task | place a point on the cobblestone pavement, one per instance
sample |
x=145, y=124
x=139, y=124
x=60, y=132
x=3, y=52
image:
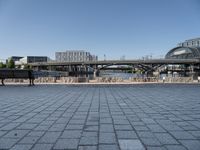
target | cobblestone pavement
x=100, y=117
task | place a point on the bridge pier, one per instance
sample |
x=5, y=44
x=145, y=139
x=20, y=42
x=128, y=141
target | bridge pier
x=149, y=73
x=96, y=73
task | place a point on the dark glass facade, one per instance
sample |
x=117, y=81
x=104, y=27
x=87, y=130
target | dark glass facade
x=33, y=59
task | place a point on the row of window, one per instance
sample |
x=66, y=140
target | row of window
x=190, y=43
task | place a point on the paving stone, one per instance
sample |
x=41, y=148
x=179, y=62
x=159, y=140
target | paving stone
x=145, y=134
x=76, y=121
x=189, y=128
x=35, y=120
x=175, y=147
x=107, y=138
x=156, y=148
x=195, y=123
x=66, y=144
x=123, y=127
x=87, y=148
x=50, y=137
x=172, y=127
x=42, y=147
x=2, y=133
x=22, y=147
x=182, y=135
x=148, y=121
x=16, y=133
x=29, y=140
x=126, y=135
x=106, y=120
x=137, y=123
x=151, y=142
x=141, y=128
x=108, y=147
x=106, y=128
x=91, y=128
x=47, y=123
x=42, y=128
x=10, y=126
x=86, y=140
x=90, y=134
x=156, y=128
x=72, y=134
x=63, y=120
x=7, y=143
x=36, y=133
x=195, y=133
x=131, y=145
x=57, y=127
x=74, y=127
x=27, y=126
x=191, y=144
x=166, y=138
x=121, y=122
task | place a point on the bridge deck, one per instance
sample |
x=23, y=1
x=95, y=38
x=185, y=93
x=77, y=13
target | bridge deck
x=120, y=62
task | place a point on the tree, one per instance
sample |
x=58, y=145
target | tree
x=26, y=66
x=2, y=65
x=11, y=64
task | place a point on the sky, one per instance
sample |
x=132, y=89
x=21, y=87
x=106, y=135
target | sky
x=114, y=28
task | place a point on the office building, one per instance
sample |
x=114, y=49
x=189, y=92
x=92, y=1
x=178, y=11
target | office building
x=74, y=56
x=31, y=59
x=15, y=58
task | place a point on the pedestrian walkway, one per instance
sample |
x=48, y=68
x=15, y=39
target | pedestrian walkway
x=100, y=117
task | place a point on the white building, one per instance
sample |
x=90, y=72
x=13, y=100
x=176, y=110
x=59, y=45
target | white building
x=32, y=59
x=74, y=56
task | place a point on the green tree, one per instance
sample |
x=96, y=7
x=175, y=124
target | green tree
x=11, y=64
x=2, y=65
x=26, y=66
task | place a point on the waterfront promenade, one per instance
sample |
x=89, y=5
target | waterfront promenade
x=100, y=117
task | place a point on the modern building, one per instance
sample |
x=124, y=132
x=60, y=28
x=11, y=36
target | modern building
x=74, y=56
x=183, y=53
x=15, y=58
x=190, y=43
x=31, y=59
x=185, y=50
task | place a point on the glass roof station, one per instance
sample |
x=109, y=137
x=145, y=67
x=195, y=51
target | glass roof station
x=189, y=49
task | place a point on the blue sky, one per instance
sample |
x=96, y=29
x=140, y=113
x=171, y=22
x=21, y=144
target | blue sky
x=133, y=28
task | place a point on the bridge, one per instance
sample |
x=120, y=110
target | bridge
x=119, y=62
x=148, y=66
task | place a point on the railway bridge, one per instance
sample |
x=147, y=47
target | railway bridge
x=148, y=66
x=185, y=60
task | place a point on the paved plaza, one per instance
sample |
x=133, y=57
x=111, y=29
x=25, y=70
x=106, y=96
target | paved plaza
x=100, y=117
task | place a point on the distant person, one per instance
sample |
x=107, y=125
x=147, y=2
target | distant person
x=163, y=79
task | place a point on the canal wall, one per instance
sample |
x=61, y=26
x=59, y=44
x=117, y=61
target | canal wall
x=105, y=80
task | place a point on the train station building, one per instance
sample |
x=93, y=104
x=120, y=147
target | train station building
x=186, y=50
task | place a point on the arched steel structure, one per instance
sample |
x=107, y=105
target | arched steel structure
x=183, y=53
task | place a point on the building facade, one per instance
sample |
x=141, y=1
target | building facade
x=15, y=58
x=186, y=50
x=183, y=53
x=74, y=56
x=190, y=43
x=31, y=59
